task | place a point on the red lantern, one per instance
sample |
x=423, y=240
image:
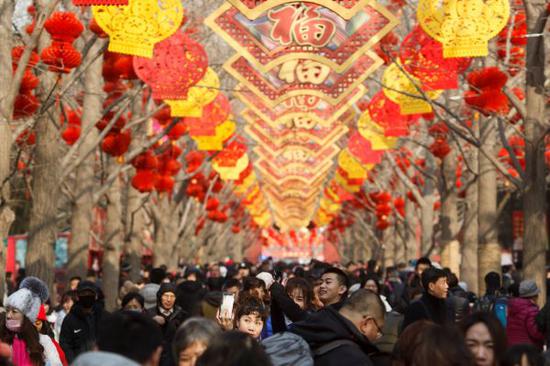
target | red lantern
x=145, y=161
x=422, y=56
x=165, y=183
x=177, y=131
x=387, y=115
x=100, y=2
x=60, y=57
x=71, y=134
x=212, y=204
x=63, y=26
x=117, y=143
x=25, y=105
x=178, y=63
x=144, y=180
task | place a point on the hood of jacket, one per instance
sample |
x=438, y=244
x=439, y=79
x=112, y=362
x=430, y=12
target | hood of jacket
x=99, y=358
x=328, y=325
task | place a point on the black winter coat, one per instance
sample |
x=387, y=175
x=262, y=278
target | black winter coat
x=430, y=308
x=79, y=330
x=169, y=329
x=327, y=325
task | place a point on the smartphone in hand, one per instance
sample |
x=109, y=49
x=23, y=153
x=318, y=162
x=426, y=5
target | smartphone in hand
x=226, y=309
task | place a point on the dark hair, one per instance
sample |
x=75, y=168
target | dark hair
x=130, y=334
x=234, y=349
x=515, y=353
x=496, y=330
x=133, y=296
x=249, y=304
x=492, y=282
x=431, y=275
x=194, y=330
x=157, y=275
x=29, y=334
x=423, y=260
x=231, y=282
x=426, y=343
x=453, y=280
x=69, y=295
x=342, y=277
x=251, y=283
x=78, y=278
x=303, y=285
x=374, y=278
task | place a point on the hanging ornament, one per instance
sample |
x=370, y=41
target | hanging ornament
x=178, y=63
x=351, y=166
x=215, y=143
x=387, y=115
x=402, y=88
x=213, y=115
x=61, y=57
x=100, y=2
x=374, y=133
x=198, y=96
x=422, y=57
x=231, y=161
x=464, y=27
x=136, y=28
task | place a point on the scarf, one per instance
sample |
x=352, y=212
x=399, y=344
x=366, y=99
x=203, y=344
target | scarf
x=20, y=356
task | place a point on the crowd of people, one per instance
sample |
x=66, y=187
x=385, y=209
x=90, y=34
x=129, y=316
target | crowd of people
x=280, y=314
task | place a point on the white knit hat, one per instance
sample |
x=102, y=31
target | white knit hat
x=31, y=294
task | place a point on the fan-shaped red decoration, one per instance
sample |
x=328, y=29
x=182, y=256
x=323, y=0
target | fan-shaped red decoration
x=387, y=114
x=63, y=26
x=60, y=57
x=71, y=134
x=422, y=56
x=182, y=63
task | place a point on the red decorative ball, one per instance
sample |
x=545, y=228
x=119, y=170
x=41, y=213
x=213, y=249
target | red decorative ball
x=144, y=180
x=71, y=134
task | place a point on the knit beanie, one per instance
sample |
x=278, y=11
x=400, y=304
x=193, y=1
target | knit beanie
x=164, y=288
x=31, y=294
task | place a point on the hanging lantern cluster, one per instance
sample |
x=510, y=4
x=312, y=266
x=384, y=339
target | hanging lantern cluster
x=440, y=147
x=71, y=134
x=26, y=103
x=485, y=93
x=64, y=28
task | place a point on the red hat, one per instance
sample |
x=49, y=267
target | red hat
x=42, y=313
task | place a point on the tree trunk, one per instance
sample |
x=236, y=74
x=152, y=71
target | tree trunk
x=489, y=248
x=6, y=214
x=112, y=244
x=469, y=268
x=448, y=219
x=134, y=223
x=535, y=238
x=40, y=258
x=166, y=234
x=411, y=224
x=81, y=219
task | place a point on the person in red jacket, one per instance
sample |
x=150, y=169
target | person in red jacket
x=521, y=326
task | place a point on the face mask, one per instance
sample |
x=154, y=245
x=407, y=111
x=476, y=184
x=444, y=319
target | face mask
x=86, y=301
x=13, y=324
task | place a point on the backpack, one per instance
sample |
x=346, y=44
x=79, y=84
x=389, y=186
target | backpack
x=289, y=349
x=493, y=304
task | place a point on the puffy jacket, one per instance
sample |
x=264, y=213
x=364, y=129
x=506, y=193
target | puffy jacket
x=521, y=326
x=79, y=331
x=328, y=325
